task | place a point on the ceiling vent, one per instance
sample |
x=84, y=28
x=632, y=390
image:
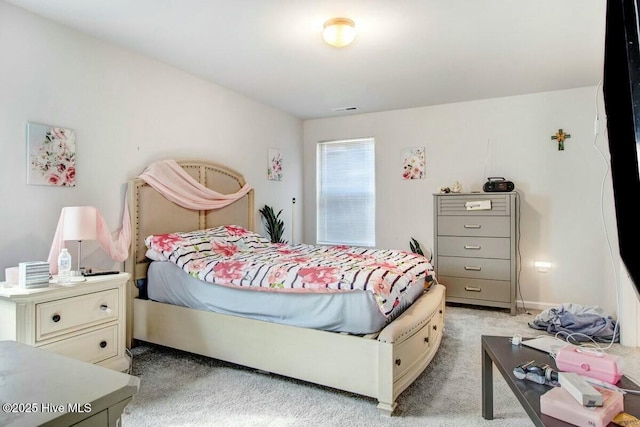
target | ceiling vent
x=344, y=109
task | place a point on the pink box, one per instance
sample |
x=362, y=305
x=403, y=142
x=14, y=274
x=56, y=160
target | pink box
x=558, y=403
x=587, y=362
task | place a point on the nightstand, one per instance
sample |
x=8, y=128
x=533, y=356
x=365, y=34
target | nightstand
x=85, y=320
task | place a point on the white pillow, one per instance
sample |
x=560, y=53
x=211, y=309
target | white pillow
x=155, y=256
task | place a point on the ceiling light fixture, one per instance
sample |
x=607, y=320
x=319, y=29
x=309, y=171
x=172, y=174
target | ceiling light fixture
x=339, y=32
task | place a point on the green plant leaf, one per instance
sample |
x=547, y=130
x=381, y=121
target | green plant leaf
x=273, y=223
x=415, y=247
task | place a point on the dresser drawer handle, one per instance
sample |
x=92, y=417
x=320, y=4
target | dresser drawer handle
x=426, y=340
x=472, y=247
x=472, y=226
x=103, y=344
x=398, y=362
x=56, y=318
x=472, y=268
x=472, y=289
x=105, y=308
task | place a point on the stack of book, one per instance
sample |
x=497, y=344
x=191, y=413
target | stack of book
x=33, y=274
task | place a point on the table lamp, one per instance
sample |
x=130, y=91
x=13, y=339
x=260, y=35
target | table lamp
x=79, y=225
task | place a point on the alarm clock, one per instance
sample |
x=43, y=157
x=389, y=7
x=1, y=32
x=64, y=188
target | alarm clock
x=498, y=184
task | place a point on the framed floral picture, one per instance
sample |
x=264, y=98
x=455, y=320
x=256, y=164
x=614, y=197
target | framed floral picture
x=274, y=165
x=413, y=163
x=51, y=155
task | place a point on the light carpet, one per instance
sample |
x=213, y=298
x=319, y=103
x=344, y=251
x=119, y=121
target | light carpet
x=183, y=389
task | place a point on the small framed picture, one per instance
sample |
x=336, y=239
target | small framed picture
x=51, y=155
x=413, y=163
x=274, y=165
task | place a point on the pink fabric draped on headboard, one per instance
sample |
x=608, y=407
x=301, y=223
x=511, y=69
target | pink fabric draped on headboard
x=169, y=179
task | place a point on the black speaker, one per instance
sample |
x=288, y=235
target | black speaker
x=498, y=184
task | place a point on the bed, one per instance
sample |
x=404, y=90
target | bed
x=379, y=358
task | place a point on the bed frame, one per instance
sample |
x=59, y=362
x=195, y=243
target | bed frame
x=378, y=365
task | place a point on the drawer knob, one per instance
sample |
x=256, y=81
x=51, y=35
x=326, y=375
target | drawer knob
x=472, y=268
x=472, y=289
x=103, y=344
x=472, y=226
x=55, y=318
x=426, y=339
x=105, y=308
x=398, y=362
x=472, y=247
x=435, y=327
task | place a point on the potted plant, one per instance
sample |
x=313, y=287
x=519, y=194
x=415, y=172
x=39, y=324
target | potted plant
x=273, y=223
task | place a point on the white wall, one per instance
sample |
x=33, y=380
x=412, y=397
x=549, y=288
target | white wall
x=127, y=111
x=560, y=191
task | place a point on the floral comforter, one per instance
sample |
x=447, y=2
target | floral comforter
x=234, y=256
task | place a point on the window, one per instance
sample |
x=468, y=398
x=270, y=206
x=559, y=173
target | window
x=346, y=190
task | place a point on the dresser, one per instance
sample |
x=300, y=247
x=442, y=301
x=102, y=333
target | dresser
x=84, y=320
x=41, y=388
x=475, y=247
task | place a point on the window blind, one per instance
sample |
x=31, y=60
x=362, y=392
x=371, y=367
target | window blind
x=346, y=193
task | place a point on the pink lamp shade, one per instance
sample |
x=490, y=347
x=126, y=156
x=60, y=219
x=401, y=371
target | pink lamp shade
x=79, y=223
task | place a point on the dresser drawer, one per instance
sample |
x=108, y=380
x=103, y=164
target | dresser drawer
x=474, y=268
x=456, y=204
x=474, y=247
x=477, y=289
x=101, y=419
x=477, y=226
x=61, y=316
x=92, y=347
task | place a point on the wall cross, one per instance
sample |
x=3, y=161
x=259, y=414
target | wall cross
x=560, y=136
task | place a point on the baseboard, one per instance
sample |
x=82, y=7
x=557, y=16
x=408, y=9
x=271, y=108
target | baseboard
x=533, y=305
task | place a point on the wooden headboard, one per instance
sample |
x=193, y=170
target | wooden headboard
x=152, y=213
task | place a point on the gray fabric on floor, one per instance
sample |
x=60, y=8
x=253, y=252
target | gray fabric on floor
x=578, y=323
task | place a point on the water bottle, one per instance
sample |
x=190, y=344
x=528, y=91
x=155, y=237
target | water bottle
x=64, y=266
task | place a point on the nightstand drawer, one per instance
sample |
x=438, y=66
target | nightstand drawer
x=474, y=247
x=474, y=268
x=92, y=347
x=65, y=315
x=477, y=289
x=479, y=226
